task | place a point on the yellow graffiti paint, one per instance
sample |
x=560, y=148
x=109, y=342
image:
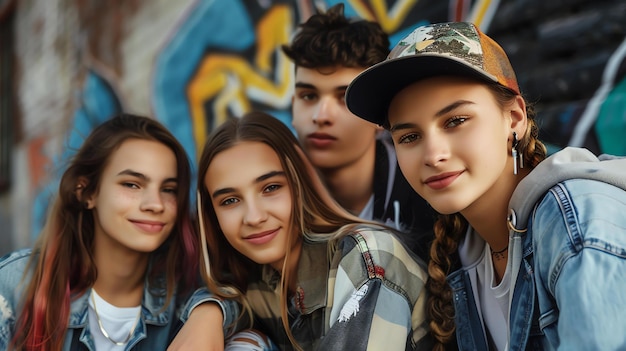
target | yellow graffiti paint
x=232, y=81
x=389, y=19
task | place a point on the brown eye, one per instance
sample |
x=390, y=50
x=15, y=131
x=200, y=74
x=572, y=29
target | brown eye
x=408, y=138
x=170, y=190
x=306, y=96
x=342, y=98
x=228, y=201
x=271, y=188
x=455, y=122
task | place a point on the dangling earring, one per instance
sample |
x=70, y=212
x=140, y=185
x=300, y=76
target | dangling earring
x=514, y=153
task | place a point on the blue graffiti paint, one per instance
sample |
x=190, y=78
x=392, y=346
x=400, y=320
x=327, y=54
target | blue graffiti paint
x=221, y=24
x=98, y=102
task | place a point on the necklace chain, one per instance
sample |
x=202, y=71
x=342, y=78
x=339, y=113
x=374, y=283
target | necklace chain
x=499, y=255
x=104, y=332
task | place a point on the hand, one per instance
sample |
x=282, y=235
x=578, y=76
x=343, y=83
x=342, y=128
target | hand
x=203, y=330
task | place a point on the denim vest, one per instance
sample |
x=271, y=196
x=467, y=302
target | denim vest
x=568, y=290
x=154, y=331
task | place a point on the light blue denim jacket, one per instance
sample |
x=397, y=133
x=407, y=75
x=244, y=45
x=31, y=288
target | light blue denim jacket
x=568, y=268
x=155, y=331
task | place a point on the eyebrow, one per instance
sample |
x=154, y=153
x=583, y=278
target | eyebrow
x=305, y=85
x=259, y=179
x=439, y=113
x=302, y=85
x=130, y=172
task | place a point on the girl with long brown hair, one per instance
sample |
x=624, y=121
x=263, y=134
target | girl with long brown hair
x=311, y=275
x=117, y=258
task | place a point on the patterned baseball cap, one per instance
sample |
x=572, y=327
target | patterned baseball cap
x=452, y=49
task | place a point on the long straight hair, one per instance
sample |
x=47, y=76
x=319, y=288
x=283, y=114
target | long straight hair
x=314, y=213
x=62, y=266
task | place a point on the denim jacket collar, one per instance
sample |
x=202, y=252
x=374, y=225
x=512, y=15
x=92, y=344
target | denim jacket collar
x=152, y=311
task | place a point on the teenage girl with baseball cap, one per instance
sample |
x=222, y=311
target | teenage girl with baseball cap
x=529, y=251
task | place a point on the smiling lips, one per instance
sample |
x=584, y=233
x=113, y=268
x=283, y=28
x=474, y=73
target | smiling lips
x=149, y=226
x=262, y=238
x=442, y=180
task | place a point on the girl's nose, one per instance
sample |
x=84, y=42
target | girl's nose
x=435, y=150
x=152, y=201
x=255, y=214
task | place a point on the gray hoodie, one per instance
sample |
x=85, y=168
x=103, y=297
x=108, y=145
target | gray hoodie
x=569, y=163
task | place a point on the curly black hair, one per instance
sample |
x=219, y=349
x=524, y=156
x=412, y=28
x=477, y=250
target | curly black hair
x=330, y=39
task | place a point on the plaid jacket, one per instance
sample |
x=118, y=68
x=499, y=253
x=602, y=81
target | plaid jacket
x=368, y=294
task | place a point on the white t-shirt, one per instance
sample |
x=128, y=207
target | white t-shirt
x=492, y=298
x=118, y=322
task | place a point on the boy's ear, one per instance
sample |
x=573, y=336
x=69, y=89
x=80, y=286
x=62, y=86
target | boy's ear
x=519, y=119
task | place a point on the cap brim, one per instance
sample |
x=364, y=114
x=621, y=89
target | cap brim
x=370, y=93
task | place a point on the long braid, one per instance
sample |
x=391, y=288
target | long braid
x=448, y=229
x=532, y=148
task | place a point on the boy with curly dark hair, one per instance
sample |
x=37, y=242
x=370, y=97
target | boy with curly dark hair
x=355, y=158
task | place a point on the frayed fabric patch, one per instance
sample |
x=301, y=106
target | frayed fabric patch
x=351, y=308
x=5, y=311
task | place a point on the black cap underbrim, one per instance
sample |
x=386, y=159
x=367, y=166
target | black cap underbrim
x=368, y=96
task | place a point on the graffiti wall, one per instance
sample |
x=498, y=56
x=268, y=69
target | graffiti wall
x=225, y=60
x=222, y=58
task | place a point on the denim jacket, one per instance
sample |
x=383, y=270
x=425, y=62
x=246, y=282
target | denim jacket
x=568, y=267
x=154, y=332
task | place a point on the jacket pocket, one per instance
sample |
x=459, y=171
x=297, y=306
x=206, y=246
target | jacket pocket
x=548, y=323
